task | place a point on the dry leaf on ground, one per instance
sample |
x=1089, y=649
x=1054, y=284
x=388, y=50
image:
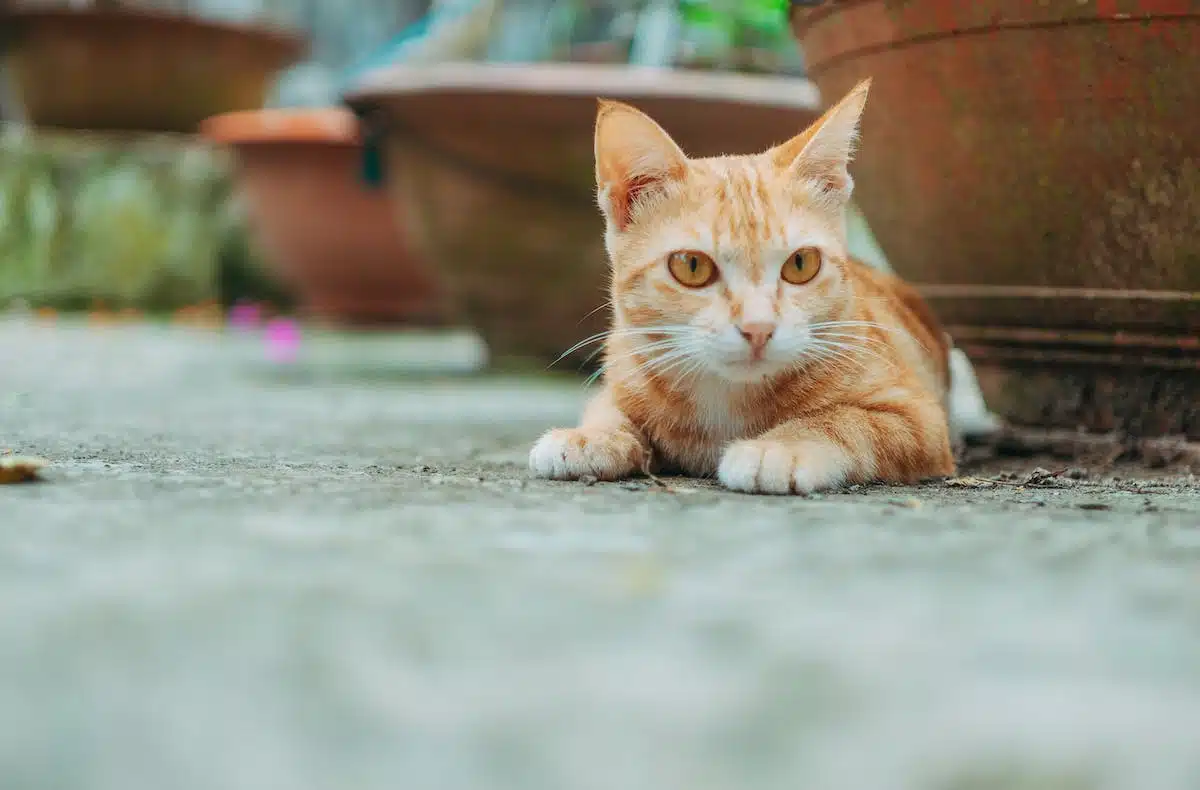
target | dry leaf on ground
x=969, y=482
x=18, y=469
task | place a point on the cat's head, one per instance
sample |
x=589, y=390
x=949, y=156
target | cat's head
x=727, y=265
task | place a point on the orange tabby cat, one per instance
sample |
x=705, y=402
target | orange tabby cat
x=745, y=342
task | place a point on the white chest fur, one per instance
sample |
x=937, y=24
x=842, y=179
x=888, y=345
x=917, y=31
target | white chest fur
x=718, y=412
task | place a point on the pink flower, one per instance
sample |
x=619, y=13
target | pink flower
x=245, y=315
x=283, y=340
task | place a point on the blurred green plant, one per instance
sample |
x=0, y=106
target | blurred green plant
x=723, y=32
x=148, y=225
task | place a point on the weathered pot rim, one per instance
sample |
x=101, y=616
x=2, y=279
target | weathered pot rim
x=24, y=16
x=803, y=17
x=583, y=79
x=332, y=125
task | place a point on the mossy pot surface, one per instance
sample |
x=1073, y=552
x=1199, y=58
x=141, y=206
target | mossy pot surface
x=492, y=166
x=87, y=219
x=1035, y=169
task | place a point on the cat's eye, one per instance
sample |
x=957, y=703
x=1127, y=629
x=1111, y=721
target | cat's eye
x=691, y=268
x=801, y=266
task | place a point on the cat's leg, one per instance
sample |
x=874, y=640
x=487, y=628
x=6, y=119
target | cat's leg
x=606, y=445
x=900, y=440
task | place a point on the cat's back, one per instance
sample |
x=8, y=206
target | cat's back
x=888, y=300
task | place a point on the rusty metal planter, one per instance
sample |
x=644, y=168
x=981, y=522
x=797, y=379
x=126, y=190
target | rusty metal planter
x=493, y=166
x=1035, y=169
x=125, y=69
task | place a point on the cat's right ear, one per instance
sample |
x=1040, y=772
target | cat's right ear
x=635, y=159
x=822, y=153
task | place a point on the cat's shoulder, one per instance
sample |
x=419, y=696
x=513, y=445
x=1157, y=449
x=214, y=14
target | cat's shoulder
x=881, y=284
x=905, y=303
x=877, y=279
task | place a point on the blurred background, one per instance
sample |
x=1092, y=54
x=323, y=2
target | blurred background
x=113, y=202
x=394, y=164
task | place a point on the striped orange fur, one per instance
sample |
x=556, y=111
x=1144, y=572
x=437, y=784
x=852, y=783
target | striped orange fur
x=746, y=343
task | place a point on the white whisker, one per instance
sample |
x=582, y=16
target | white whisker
x=897, y=331
x=846, y=336
x=697, y=365
x=853, y=325
x=590, y=380
x=590, y=313
x=826, y=354
x=851, y=348
x=616, y=333
x=599, y=336
x=682, y=359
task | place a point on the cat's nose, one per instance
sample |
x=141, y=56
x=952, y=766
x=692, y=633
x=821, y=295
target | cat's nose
x=757, y=334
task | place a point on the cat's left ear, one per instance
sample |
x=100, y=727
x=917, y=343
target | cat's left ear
x=635, y=159
x=823, y=151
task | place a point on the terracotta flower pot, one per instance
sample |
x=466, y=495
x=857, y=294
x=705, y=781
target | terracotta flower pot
x=1035, y=169
x=492, y=165
x=333, y=240
x=127, y=69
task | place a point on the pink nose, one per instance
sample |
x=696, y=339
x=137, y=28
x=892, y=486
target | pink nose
x=757, y=334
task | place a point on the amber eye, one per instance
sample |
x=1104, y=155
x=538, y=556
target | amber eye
x=801, y=266
x=693, y=269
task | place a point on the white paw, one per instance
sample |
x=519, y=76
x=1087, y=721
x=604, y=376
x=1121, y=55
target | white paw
x=771, y=467
x=569, y=454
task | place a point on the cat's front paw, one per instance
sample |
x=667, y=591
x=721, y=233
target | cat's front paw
x=569, y=454
x=764, y=466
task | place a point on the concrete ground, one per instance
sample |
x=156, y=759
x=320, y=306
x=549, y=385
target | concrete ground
x=335, y=574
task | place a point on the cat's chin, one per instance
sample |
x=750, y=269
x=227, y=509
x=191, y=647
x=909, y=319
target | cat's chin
x=747, y=371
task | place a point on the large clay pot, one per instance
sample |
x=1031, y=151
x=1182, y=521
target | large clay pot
x=492, y=165
x=1035, y=169
x=126, y=69
x=332, y=239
